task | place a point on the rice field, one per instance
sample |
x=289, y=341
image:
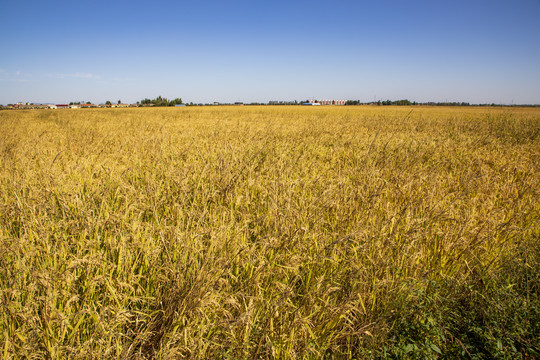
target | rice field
x=281, y=232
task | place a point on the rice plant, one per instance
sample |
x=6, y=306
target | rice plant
x=270, y=232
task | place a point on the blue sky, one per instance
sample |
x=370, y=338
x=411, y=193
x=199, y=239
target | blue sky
x=205, y=51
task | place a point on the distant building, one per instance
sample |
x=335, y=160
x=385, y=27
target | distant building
x=325, y=102
x=331, y=102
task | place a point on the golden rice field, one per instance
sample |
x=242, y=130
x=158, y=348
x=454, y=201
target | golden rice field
x=270, y=232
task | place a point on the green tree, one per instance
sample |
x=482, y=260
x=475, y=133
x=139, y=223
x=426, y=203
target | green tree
x=161, y=101
x=402, y=102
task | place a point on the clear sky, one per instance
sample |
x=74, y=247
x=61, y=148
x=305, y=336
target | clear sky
x=205, y=51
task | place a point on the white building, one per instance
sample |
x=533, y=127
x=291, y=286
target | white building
x=332, y=102
x=325, y=102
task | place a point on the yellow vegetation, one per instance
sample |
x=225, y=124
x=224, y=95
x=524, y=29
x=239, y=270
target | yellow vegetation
x=270, y=232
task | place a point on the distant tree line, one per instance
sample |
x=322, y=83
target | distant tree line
x=385, y=102
x=447, y=103
x=406, y=102
x=79, y=103
x=283, y=102
x=160, y=101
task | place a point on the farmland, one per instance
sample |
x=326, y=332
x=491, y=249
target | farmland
x=270, y=232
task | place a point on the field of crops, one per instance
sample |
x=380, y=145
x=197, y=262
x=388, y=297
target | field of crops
x=270, y=232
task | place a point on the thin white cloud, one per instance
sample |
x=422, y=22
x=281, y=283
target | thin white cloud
x=17, y=76
x=115, y=80
x=86, y=76
x=122, y=79
x=79, y=75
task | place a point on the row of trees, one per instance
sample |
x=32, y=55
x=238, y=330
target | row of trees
x=359, y=102
x=397, y=102
x=160, y=101
x=407, y=102
x=283, y=102
x=79, y=103
x=385, y=102
x=89, y=103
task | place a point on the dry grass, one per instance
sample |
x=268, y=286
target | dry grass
x=270, y=232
